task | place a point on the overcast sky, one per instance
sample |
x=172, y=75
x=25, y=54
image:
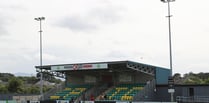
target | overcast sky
x=77, y=31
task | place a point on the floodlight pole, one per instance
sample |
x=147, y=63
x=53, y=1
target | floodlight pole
x=169, y=28
x=41, y=79
x=170, y=46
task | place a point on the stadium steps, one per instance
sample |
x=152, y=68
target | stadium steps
x=57, y=88
x=104, y=92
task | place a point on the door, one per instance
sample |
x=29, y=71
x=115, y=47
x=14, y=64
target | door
x=191, y=91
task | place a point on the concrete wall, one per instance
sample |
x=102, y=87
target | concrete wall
x=26, y=98
x=136, y=77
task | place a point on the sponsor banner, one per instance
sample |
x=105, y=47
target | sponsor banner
x=1, y=101
x=62, y=101
x=153, y=102
x=79, y=67
x=34, y=101
x=57, y=68
x=87, y=101
x=8, y=101
x=122, y=102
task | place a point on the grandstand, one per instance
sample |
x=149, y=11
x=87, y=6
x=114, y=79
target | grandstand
x=114, y=81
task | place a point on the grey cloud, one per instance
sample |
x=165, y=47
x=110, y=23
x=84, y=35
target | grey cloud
x=5, y=20
x=3, y=31
x=7, y=17
x=92, y=20
x=106, y=15
x=17, y=8
x=77, y=23
x=3, y=23
x=121, y=54
x=117, y=54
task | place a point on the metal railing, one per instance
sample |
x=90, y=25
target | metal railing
x=147, y=93
x=192, y=99
x=57, y=88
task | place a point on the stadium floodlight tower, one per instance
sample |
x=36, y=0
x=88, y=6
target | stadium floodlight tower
x=170, y=79
x=41, y=79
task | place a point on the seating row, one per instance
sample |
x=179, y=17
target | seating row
x=70, y=92
x=124, y=91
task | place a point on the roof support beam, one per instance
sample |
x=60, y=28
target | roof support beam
x=141, y=68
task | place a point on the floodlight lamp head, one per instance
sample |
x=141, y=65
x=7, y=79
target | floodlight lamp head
x=165, y=1
x=40, y=18
x=36, y=19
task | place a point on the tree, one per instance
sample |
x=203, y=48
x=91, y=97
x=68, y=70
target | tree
x=194, y=80
x=207, y=81
x=5, y=76
x=3, y=89
x=32, y=90
x=14, y=85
